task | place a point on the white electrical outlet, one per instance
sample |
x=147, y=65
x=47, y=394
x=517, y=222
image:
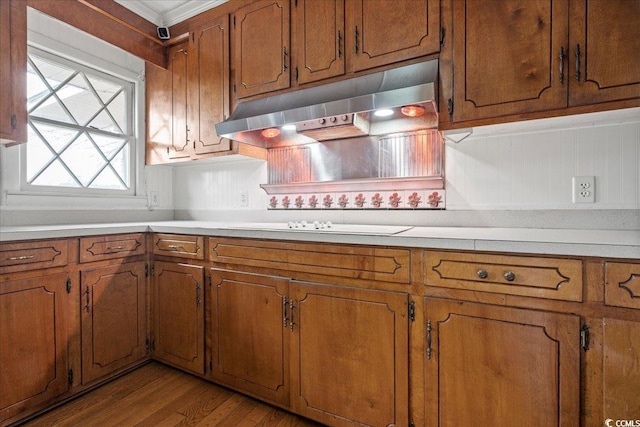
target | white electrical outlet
x=154, y=198
x=584, y=189
x=244, y=198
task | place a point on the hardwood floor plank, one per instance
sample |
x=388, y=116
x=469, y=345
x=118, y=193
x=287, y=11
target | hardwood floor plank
x=155, y=395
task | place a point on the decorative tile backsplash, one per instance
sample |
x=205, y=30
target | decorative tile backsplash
x=405, y=199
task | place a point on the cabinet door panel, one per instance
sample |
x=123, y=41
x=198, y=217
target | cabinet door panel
x=179, y=315
x=250, y=333
x=33, y=333
x=620, y=374
x=349, y=355
x=608, y=33
x=506, y=57
x=261, y=42
x=113, y=318
x=492, y=365
x=13, y=73
x=318, y=28
x=382, y=32
x=210, y=86
x=178, y=65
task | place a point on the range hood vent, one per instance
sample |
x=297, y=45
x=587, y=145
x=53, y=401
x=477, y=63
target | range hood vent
x=339, y=110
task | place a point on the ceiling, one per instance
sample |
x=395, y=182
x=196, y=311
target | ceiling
x=166, y=13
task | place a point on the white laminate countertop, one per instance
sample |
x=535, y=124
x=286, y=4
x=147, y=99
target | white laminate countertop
x=598, y=243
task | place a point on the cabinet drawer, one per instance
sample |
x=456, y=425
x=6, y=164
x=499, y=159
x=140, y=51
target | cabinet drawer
x=109, y=247
x=514, y=275
x=298, y=259
x=622, y=284
x=178, y=246
x=33, y=255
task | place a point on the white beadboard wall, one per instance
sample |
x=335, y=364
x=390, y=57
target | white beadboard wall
x=523, y=166
x=534, y=170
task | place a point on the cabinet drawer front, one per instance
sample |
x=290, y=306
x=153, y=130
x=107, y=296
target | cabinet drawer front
x=367, y=263
x=33, y=255
x=109, y=247
x=179, y=246
x=514, y=275
x=622, y=284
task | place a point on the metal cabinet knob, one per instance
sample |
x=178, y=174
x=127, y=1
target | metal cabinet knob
x=483, y=274
x=509, y=276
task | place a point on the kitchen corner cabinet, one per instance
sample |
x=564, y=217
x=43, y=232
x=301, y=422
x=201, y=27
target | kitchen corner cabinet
x=349, y=361
x=502, y=366
x=261, y=51
x=518, y=56
x=178, y=315
x=113, y=319
x=185, y=101
x=318, y=34
x=381, y=32
x=33, y=333
x=13, y=72
x=251, y=333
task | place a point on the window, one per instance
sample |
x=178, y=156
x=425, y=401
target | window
x=81, y=133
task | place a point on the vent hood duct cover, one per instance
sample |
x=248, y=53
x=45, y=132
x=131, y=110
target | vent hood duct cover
x=409, y=85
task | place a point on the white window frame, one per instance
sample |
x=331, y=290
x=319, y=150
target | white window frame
x=130, y=132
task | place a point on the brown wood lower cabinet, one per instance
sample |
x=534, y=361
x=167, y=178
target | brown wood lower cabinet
x=33, y=342
x=251, y=333
x=114, y=328
x=339, y=354
x=500, y=366
x=178, y=314
x=349, y=360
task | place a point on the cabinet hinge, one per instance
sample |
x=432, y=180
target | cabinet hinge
x=450, y=106
x=14, y=121
x=147, y=345
x=210, y=365
x=429, y=350
x=153, y=270
x=146, y=270
x=70, y=376
x=412, y=311
x=584, y=337
x=68, y=285
x=442, y=33
x=234, y=88
x=234, y=22
x=210, y=281
x=296, y=3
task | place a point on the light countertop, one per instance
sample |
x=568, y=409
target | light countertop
x=598, y=243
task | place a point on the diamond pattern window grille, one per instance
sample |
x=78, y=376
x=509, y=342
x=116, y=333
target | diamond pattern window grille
x=80, y=126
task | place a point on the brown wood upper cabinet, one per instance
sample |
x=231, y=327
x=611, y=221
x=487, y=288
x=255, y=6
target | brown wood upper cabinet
x=381, y=32
x=186, y=100
x=261, y=58
x=13, y=72
x=317, y=29
x=518, y=56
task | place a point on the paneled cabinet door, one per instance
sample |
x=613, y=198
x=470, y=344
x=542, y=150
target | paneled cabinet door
x=349, y=361
x=33, y=336
x=506, y=57
x=166, y=104
x=500, y=366
x=251, y=333
x=605, y=43
x=13, y=72
x=318, y=31
x=114, y=332
x=261, y=54
x=381, y=32
x=178, y=315
x=209, y=86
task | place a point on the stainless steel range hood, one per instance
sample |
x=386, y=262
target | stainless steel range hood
x=319, y=112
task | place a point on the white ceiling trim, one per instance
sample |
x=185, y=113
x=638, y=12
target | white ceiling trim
x=155, y=10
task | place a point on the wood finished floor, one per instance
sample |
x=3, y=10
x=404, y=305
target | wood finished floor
x=159, y=396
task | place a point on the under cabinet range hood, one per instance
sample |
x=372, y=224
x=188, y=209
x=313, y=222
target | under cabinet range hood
x=340, y=110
